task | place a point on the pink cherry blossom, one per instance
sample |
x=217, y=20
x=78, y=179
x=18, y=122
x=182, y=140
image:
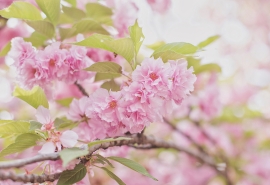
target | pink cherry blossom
x=77, y=111
x=182, y=80
x=160, y=6
x=68, y=138
x=44, y=117
x=21, y=50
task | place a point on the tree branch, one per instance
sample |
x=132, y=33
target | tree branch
x=138, y=141
x=80, y=87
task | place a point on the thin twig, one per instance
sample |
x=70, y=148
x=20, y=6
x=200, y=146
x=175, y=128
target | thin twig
x=80, y=87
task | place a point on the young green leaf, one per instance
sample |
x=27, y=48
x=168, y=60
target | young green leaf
x=13, y=128
x=35, y=97
x=104, y=76
x=105, y=67
x=104, y=159
x=68, y=154
x=63, y=123
x=5, y=49
x=44, y=27
x=37, y=39
x=111, y=86
x=51, y=8
x=156, y=45
x=136, y=35
x=123, y=47
x=132, y=165
x=96, y=41
x=74, y=13
x=69, y=177
x=96, y=10
x=106, y=141
x=89, y=26
x=73, y=3
x=99, y=13
x=65, y=101
x=21, y=143
x=173, y=51
x=67, y=33
x=207, y=68
x=35, y=125
x=21, y=10
x=113, y=176
x=208, y=41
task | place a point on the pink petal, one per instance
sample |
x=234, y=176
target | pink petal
x=47, y=148
x=43, y=115
x=69, y=138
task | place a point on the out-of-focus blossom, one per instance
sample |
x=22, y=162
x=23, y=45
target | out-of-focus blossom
x=160, y=6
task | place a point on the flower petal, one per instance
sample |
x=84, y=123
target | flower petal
x=69, y=138
x=43, y=115
x=47, y=148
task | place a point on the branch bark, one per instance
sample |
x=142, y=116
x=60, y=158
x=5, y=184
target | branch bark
x=138, y=141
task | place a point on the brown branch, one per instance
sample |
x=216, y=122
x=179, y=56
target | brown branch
x=190, y=139
x=80, y=87
x=138, y=141
x=29, y=178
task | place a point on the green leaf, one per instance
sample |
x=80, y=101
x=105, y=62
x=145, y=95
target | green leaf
x=65, y=101
x=68, y=154
x=51, y=8
x=63, y=123
x=67, y=33
x=96, y=41
x=132, y=165
x=123, y=47
x=37, y=39
x=74, y=13
x=156, y=45
x=5, y=49
x=173, y=51
x=13, y=128
x=208, y=67
x=99, y=13
x=96, y=10
x=69, y=177
x=21, y=10
x=113, y=176
x=43, y=27
x=21, y=143
x=65, y=19
x=110, y=86
x=106, y=141
x=208, y=41
x=35, y=125
x=89, y=26
x=105, y=67
x=104, y=76
x=72, y=2
x=35, y=97
x=136, y=35
x=104, y=159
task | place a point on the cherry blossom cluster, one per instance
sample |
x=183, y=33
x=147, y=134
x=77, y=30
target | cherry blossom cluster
x=153, y=89
x=42, y=67
x=55, y=140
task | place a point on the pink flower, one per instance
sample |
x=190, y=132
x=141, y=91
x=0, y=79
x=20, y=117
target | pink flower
x=160, y=6
x=21, y=50
x=77, y=110
x=44, y=117
x=182, y=80
x=58, y=140
x=154, y=75
x=53, y=58
x=125, y=15
x=76, y=60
